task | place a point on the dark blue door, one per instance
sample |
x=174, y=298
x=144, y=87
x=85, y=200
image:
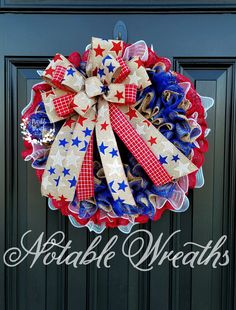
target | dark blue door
x=201, y=43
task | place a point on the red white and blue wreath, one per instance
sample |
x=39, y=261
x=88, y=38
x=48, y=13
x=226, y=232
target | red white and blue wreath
x=116, y=137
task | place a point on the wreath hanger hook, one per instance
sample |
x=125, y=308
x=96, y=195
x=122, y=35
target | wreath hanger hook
x=120, y=31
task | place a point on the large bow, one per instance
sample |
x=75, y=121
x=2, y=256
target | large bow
x=103, y=101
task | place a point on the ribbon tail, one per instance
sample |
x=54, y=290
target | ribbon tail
x=172, y=159
x=77, y=149
x=110, y=157
x=57, y=155
x=138, y=147
x=85, y=185
x=66, y=157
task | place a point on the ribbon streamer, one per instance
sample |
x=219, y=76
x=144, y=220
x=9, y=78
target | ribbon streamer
x=103, y=101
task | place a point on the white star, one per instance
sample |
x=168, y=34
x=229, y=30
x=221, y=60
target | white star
x=102, y=111
x=78, y=81
x=57, y=158
x=89, y=67
x=40, y=72
x=134, y=78
x=71, y=159
x=115, y=168
x=49, y=104
x=51, y=107
x=46, y=182
x=83, y=102
x=48, y=97
x=52, y=63
x=81, y=96
x=140, y=129
x=166, y=146
x=112, y=142
x=182, y=168
x=92, y=89
x=62, y=184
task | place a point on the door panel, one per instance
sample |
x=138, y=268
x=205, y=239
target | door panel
x=202, y=47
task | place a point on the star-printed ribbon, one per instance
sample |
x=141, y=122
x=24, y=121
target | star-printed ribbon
x=103, y=101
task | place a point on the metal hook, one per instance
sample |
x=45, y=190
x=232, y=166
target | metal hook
x=120, y=31
x=119, y=36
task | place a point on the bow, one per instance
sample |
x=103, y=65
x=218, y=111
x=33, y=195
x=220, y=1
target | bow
x=101, y=103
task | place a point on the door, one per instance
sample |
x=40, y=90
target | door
x=200, y=41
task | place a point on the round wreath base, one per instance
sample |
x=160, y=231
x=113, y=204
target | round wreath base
x=198, y=106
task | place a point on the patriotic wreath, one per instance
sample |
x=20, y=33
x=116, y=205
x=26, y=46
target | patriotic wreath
x=116, y=137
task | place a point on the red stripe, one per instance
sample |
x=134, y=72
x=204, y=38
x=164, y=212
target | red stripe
x=62, y=105
x=130, y=93
x=58, y=76
x=125, y=70
x=85, y=184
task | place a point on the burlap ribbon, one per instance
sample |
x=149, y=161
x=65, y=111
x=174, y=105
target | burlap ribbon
x=103, y=101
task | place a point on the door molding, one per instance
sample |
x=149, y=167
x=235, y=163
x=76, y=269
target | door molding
x=118, y=6
x=223, y=71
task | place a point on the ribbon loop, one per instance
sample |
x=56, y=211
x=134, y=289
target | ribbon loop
x=99, y=49
x=63, y=105
x=121, y=93
x=58, y=76
x=62, y=74
x=124, y=72
x=138, y=74
x=138, y=49
x=110, y=69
